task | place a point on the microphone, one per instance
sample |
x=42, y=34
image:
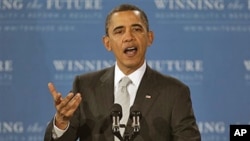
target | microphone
x=116, y=115
x=135, y=116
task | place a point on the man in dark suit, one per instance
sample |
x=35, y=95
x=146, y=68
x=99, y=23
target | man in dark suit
x=164, y=102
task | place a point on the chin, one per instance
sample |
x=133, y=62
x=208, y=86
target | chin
x=133, y=65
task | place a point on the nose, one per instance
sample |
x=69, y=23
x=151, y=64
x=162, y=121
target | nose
x=128, y=36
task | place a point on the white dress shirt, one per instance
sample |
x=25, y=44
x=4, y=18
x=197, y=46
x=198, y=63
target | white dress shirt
x=135, y=77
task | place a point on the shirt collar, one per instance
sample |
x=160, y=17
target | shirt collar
x=135, y=77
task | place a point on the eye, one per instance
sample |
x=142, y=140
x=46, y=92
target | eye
x=118, y=31
x=137, y=29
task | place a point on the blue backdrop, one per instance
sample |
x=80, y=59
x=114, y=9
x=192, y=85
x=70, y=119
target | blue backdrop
x=205, y=43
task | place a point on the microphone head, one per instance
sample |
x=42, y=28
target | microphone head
x=116, y=110
x=134, y=111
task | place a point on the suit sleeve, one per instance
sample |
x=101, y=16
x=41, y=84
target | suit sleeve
x=69, y=135
x=48, y=132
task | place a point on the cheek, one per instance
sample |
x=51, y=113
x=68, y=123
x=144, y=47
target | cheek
x=114, y=45
x=116, y=50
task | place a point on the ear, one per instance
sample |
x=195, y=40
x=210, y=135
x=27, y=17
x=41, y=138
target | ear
x=150, y=38
x=105, y=41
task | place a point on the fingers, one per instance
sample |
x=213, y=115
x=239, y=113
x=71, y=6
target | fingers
x=65, y=112
x=57, y=97
x=69, y=105
x=69, y=101
x=63, y=102
x=65, y=107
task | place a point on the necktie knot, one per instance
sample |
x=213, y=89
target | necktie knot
x=124, y=82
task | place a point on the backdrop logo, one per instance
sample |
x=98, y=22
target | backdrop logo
x=246, y=64
x=14, y=4
x=81, y=65
x=219, y=15
x=74, y=4
x=67, y=69
x=6, y=68
x=177, y=65
x=213, y=130
x=51, y=4
x=18, y=131
x=53, y=15
x=218, y=127
x=190, y=71
x=190, y=4
x=11, y=127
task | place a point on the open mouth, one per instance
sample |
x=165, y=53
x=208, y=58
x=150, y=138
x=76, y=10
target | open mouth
x=130, y=50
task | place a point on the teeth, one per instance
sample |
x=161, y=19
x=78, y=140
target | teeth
x=130, y=48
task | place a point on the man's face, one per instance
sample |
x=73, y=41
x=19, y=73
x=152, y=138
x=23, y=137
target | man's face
x=128, y=39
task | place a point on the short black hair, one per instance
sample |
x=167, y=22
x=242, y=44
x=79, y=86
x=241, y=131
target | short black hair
x=126, y=7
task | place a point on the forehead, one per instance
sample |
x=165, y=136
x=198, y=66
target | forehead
x=126, y=17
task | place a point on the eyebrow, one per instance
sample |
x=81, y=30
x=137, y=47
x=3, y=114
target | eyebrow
x=133, y=25
x=118, y=27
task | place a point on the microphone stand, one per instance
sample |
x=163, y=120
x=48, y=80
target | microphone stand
x=116, y=132
x=128, y=135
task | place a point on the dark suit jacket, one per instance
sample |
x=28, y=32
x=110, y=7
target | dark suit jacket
x=164, y=102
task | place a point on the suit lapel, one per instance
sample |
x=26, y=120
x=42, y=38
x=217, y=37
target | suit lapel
x=105, y=90
x=105, y=97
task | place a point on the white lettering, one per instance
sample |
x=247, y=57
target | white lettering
x=247, y=64
x=237, y=132
x=240, y=132
x=248, y=4
x=212, y=127
x=11, y=4
x=160, y=4
x=81, y=65
x=35, y=128
x=160, y=65
x=55, y=3
x=74, y=4
x=177, y=65
x=190, y=4
x=235, y=5
x=11, y=127
x=6, y=66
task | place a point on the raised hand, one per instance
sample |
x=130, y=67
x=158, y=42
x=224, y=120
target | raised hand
x=65, y=107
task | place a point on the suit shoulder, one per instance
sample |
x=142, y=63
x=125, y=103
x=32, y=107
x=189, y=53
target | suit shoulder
x=93, y=76
x=94, y=73
x=167, y=79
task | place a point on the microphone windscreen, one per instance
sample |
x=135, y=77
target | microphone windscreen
x=116, y=109
x=134, y=111
x=134, y=108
